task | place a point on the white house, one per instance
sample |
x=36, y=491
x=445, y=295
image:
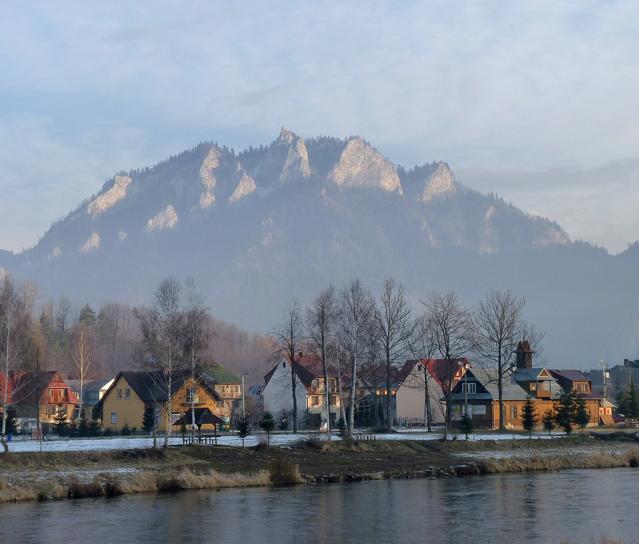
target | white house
x=309, y=388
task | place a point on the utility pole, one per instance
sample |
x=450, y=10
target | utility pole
x=243, y=401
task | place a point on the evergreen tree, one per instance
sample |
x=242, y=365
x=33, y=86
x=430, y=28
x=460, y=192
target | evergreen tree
x=565, y=410
x=94, y=428
x=243, y=429
x=148, y=418
x=582, y=416
x=283, y=423
x=268, y=424
x=60, y=423
x=466, y=425
x=126, y=431
x=83, y=426
x=87, y=316
x=529, y=417
x=548, y=421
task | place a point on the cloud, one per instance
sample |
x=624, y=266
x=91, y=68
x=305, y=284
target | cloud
x=480, y=84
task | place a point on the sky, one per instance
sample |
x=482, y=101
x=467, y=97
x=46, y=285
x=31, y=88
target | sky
x=88, y=89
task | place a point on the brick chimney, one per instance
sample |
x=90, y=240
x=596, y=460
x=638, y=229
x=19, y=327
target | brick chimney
x=524, y=355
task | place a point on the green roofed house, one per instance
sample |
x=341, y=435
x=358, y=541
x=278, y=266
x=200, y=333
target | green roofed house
x=227, y=385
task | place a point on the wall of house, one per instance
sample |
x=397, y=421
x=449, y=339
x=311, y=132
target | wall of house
x=410, y=400
x=182, y=404
x=514, y=420
x=277, y=393
x=128, y=411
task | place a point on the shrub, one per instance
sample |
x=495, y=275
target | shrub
x=125, y=430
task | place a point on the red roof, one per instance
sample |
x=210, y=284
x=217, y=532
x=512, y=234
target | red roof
x=445, y=371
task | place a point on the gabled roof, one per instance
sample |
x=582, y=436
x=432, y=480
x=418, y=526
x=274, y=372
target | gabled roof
x=489, y=378
x=203, y=416
x=219, y=374
x=149, y=385
x=28, y=386
x=569, y=375
x=442, y=370
x=307, y=368
x=532, y=374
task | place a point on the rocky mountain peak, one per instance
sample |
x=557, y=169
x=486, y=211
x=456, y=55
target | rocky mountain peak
x=361, y=165
x=440, y=183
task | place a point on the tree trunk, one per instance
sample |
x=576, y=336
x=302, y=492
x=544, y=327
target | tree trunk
x=428, y=410
x=500, y=393
x=169, y=410
x=327, y=397
x=294, y=390
x=342, y=412
x=351, y=405
x=389, y=397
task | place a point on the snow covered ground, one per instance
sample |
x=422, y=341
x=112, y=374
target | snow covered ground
x=124, y=443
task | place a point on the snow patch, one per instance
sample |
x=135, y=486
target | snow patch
x=245, y=187
x=110, y=197
x=210, y=163
x=91, y=244
x=166, y=219
x=122, y=235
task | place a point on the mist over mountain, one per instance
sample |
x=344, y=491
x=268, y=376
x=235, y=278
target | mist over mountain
x=257, y=228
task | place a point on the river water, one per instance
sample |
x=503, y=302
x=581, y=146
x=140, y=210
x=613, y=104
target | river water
x=574, y=506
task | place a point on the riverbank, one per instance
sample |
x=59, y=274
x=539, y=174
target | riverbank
x=57, y=475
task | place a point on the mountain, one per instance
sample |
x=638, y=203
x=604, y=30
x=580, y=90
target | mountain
x=259, y=227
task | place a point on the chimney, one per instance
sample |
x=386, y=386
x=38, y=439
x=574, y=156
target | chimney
x=524, y=355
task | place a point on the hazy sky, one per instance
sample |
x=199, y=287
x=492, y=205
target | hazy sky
x=90, y=88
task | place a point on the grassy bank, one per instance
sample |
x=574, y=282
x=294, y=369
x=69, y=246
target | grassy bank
x=44, y=476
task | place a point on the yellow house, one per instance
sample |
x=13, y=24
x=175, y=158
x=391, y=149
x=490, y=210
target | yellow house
x=132, y=392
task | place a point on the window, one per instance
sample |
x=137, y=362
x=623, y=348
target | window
x=513, y=412
x=315, y=401
x=420, y=368
x=114, y=418
x=284, y=364
x=545, y=386
x=127, y=393
x=469, y=387
x=191, y=395
x=119, y=394
x=220, y=403
x=51, y=398
x=533, y=386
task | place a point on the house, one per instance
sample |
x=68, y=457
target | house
x=478, y=390
x=92, y=392
x=309, y=388
x=228, y=387
x=133, y=392
x=415, y=379
x=39, y=395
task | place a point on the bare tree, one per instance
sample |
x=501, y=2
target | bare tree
x=288, y=341
x=163, y=331
x=535, y=338
x=82, y=357
x=320, y=327
x=423, y=348
x=63, y=313
x=452, y=329
x=196, y=339
x=394, y=328
x=496, y=324
x=17, y=346
x=356, y=308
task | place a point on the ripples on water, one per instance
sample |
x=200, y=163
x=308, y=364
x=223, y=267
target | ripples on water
x=578, y=506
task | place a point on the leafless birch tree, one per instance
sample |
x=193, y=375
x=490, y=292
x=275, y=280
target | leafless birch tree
x=320, y=329
x=423, y=348
x=82, y=357
x=164, y=331
x=356, y=308
x=394, y=328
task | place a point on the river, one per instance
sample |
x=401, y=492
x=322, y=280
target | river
x=574, y=506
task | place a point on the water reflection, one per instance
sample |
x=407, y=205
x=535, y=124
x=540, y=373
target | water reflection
x=574, y=505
